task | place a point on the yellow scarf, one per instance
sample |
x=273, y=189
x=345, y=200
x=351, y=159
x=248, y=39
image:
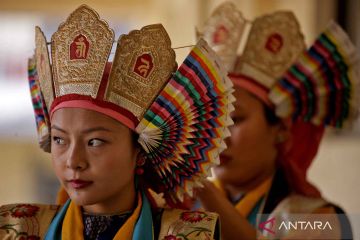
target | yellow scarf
x=251, y=198
x=73, y=227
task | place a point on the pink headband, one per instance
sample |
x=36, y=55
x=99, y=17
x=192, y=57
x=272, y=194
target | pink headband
x=122, y=116
x=252, y=86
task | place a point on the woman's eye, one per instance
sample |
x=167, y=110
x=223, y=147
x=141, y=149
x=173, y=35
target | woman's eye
x=95, y=142
x=58, y=140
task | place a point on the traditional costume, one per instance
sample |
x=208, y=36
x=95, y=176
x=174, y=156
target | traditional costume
x=181, y=116
x=309, y=89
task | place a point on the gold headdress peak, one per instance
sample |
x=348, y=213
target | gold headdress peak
x=150, y=66
x=223, y=32
x=274, y=43
x=80, y=49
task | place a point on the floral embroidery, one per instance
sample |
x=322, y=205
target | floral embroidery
x=18, y=234
x=24, y=210
x=4, y=214
x=195, y=216
x=171, y=237
x=17, y=222
x=191, y=225
x=198, y=233
x=32, y=237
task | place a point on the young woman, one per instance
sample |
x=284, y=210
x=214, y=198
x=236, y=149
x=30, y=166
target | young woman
x=117, y=131
x=285, y=96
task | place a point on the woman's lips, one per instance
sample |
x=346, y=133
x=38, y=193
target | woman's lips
x=79, y=184
x=224, y=159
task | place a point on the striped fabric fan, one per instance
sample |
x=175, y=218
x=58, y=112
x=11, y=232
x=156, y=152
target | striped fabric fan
x=321, y=87
x=41, y=114
x=183, y=130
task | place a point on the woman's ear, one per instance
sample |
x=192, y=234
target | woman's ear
x=140, y=162
x=137, y=151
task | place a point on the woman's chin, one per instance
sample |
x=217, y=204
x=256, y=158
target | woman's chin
x=226, y=172
x=228, y=176
x=82, y=199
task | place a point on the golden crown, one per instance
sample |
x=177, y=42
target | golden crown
x=80, y=48
x=274, y=42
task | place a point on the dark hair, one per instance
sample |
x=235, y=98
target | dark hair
x=135, y=137
x=270, y=115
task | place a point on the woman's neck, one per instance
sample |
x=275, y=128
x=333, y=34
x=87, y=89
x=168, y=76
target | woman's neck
x=235, y=191
x=126, y=200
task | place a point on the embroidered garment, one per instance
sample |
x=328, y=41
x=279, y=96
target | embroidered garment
x=35, y=222
x=100, y=227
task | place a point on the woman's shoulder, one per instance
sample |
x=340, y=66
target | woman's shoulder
x=296, y=208
x=298, y=204
x=177, y=223
x=29, y=221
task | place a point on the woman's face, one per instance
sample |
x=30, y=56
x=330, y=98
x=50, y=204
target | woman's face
x=251, y=153
x=94, y=157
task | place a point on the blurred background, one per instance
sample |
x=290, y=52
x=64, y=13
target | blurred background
x=26, y=174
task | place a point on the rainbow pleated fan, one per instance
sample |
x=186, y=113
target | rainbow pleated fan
x=41, y=114
x=321, y=87
x=183, y=131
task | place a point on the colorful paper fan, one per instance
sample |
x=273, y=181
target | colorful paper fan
x=41, y=114
x=322, y=85
x=183, y=131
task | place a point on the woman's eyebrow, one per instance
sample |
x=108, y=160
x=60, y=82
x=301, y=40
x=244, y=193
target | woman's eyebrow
x=58, y=128
x=95, y=129
x=86, y=131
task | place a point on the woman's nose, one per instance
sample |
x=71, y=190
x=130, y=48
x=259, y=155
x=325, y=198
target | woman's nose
x=77, y=158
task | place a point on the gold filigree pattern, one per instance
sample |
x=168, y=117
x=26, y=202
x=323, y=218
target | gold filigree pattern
x=143, y=63
x=223, y=31
x=275, y=41
x=43, y=67
x=80, y=72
